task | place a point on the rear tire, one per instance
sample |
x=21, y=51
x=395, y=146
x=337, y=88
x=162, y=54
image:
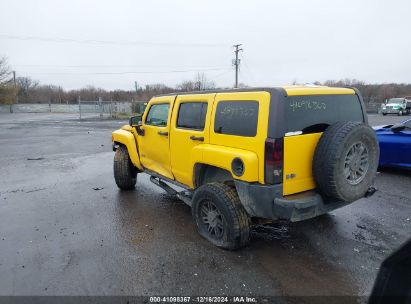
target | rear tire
x=219, y=216
x=125, y=174
x=346, y=161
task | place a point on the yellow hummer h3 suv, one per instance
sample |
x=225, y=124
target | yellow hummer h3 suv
x=285, y=153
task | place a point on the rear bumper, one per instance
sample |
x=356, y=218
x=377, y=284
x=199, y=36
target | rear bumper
x=266, y=201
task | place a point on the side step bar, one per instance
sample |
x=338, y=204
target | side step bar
x=185, y=196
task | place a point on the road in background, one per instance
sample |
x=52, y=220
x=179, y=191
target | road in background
x=66, y=229
x=377, y=119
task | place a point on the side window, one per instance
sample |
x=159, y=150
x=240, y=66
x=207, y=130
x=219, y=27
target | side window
x=191, y=115
x=236, y=118
x=158, y=115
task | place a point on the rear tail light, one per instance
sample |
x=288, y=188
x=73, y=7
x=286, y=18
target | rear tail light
x=274, y=158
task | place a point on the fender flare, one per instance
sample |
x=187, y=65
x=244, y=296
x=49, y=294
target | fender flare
x=127, y=139
x=222, y=158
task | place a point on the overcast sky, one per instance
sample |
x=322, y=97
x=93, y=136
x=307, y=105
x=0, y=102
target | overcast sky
x=111, y=44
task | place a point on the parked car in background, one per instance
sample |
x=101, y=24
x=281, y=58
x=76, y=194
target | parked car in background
x=398, y=106
x=395, y=144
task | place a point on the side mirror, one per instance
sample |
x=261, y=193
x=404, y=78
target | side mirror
x=134, y=121
x=397, y=128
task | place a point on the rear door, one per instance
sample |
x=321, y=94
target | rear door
x=188, y=129
x=154, y=145
x=240, y=120
x=306, y=118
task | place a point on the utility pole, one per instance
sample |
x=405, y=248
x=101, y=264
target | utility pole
x=236, y=62
x=79, y=106
x=136, y=86
x=15, y=86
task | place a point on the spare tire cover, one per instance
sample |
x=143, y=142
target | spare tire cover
x=346, y=161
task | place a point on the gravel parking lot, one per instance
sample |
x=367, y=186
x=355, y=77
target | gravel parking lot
x=65, y=228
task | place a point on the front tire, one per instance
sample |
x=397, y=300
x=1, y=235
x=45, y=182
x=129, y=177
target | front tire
x=125, y=174
x=219, y=216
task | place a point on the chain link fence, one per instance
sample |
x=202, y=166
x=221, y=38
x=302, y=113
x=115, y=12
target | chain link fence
x=373, y=108
x=96, y=109
x=92, y=109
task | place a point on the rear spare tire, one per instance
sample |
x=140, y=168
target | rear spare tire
x=125, y=174
x=346, y=161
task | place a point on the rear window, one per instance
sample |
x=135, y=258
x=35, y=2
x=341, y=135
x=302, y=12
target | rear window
x=314, y=113
x=236, y=118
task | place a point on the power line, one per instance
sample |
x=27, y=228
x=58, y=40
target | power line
x=221, y=74
x=129, y=72
x=107, y=42
x=250, y=74
x=110, y=66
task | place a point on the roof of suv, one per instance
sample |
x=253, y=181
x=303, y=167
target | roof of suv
x=316, y=90
x=292, y=90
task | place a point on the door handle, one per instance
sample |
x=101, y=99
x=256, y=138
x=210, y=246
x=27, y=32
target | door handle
x=199, y=138
x=162, y=133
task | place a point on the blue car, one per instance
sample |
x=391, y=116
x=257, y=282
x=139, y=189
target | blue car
x=395, y=144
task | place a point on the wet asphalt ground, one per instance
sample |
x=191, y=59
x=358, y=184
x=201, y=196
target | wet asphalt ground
x=65, y=228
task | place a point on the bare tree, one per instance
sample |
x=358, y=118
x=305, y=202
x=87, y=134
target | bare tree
x=26, y=83
x=200, y=83
x=242, y=85
x=186, y=86
x=4, y=70
x=373, y=92
x=7, y=90
x=25, y=87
